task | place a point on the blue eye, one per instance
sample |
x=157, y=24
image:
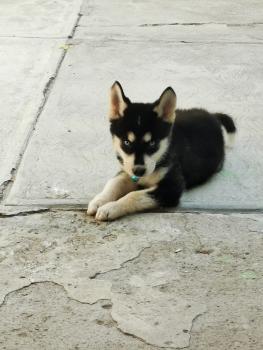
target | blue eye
x=152, y=143
x=127, y=142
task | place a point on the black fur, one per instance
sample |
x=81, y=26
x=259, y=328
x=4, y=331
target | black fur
x=198, y=142
x=226, y=121
x=196, y=145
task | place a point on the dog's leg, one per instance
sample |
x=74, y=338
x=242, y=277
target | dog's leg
x=115, y=188
x=167, y=193
x=133, y=202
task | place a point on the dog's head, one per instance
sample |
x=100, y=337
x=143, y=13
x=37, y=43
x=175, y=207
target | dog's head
x=141, y=131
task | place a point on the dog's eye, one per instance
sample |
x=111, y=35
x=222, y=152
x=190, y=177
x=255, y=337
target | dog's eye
x=127, y=143
x=152, y=143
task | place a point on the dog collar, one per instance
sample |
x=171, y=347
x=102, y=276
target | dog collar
x=135, y=178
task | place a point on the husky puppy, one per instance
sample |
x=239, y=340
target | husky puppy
x=162, y=151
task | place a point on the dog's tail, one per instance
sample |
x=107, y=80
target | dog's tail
x=228, y=127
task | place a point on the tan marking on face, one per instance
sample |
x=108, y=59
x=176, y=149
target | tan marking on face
x=147, y=137
x=131, y=136
x=162, y=150
x=151, y=160
x=128, y=159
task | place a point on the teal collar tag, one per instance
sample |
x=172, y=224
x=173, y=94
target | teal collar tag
x=135, y=178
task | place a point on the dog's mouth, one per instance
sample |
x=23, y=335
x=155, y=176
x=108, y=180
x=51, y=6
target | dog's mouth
x=136, y=172
x=135, y=177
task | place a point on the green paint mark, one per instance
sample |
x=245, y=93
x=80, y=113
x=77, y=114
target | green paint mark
x=249, y=275
x=226, y=258
x=227, y=173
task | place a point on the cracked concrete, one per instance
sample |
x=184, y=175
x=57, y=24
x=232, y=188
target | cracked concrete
x=30, y=322
x=63, y=271
x=159, y=286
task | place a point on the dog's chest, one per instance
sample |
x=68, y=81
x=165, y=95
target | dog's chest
x=153, y=179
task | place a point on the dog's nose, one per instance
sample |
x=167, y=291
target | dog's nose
x=138, y=170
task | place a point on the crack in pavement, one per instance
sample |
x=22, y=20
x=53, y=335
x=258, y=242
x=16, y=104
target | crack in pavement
x=13, y=291
x=162, y=347
x=91, y=278
x=6, y=183
x=3, y=186
x=51, y=282
x=141, y=339
x=48, y=85
x=122, y=264
x=192, y=325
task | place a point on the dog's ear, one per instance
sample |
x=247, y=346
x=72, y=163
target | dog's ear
x=118, y=101
x=166, y=105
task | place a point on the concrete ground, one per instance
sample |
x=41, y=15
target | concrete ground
x=188, y=278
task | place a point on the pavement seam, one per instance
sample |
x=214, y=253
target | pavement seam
x=24, y=213
x=250, y=24
x=200, y=24
x=32, y=37
x=42, y=209
x=5, y=187
x=81, y=205
x=175, y=42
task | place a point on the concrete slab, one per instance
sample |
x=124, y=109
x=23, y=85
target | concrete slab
x=126, y=13
x=70, y=158
x=38, y=18
x=150, y=281
x=25, y=68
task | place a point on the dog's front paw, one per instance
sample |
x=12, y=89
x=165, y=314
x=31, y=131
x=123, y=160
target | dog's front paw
x=95, y=204
x=108, y=212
